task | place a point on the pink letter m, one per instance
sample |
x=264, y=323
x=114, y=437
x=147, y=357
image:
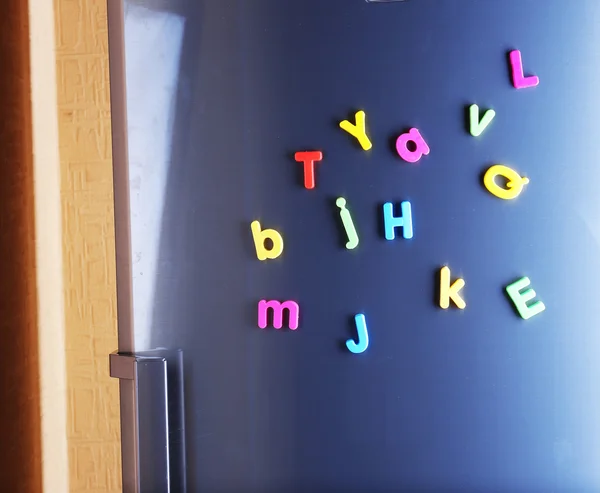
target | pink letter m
x=278, y=307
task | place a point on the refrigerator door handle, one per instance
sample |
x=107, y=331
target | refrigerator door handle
x=152, y=420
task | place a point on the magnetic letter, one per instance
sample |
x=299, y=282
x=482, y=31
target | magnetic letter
x=348, y=224
x=421, y=147
x=359, y=130
x=363, y=336
x=259, y=242
x=277, y=308
x=404, y=221
x=518, y=77
x=309, y=158
x=477, y=126
x=520, y=298
x=514, y=182
x=450, y=292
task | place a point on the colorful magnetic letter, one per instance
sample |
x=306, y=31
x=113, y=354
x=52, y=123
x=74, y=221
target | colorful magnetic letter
x=277, y=308
x=477, y=125
x=514, y=182
x=309, y=158
x=421, y=147
x=363, y=336
x=518, y=77
x=404, y=221
x=359, y=130
x=259, y=242
x=348, y=224
x=450, y=292
x=520, y=298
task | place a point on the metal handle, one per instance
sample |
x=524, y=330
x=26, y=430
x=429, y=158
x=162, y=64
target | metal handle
x=152, y=420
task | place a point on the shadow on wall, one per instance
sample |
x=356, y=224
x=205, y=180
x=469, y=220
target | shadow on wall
x=20, y=446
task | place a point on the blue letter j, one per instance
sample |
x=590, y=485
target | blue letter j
x=363, y=336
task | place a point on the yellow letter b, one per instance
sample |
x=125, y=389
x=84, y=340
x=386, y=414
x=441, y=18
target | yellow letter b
x=260, y=236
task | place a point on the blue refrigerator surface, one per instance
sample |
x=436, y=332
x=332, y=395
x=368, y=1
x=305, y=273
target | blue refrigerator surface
x=442, y=400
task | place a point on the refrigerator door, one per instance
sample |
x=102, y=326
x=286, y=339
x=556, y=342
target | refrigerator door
x=212, y=101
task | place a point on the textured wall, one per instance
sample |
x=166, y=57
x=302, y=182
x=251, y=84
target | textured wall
x=87, y=204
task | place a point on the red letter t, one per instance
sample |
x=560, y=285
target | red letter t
x=309, y=158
